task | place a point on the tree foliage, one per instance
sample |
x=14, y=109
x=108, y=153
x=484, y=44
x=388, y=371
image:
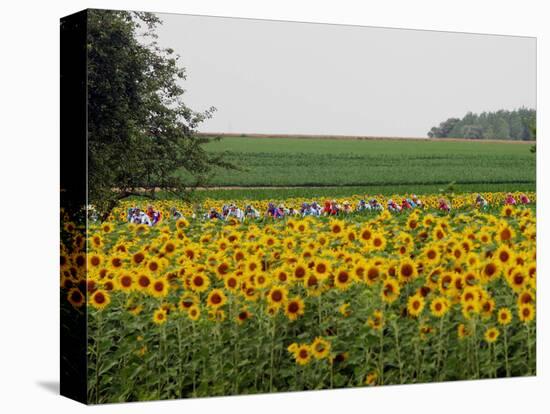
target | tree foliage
x=140, y=132
x=513, y=125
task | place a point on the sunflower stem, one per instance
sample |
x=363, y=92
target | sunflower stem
x=476, y=348
x=528, y=348
x=98, y=358
x=506, y=362
x=180, y=358
x=381, y=356
x=439, y=349
x=399, y=362
x=193, y=363
x=272, y=356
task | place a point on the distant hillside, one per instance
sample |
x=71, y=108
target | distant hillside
x=518, y=125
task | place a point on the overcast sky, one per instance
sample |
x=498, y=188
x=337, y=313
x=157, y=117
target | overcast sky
x=281, y=77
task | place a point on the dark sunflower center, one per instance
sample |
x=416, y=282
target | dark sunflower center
x=277, y=296
x=293, y=307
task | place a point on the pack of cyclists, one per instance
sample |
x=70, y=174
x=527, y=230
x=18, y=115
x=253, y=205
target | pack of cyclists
x=150, y=216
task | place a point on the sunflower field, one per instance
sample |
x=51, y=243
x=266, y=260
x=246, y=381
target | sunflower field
x=194, y=308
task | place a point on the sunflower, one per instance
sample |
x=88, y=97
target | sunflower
x=250, y=293
x=373, y=273
x=487, y=306
x=505, y=233
x=160, y=316
x=378, y=241
x=75, y=297
x=438, y=233
x=376, y=321
x=470, y=294
x=187, y=300
x=191, y=251
x=159, y=287
x=526, y=297
x=116, y=262
x=232, y=283
x=292, y=348
x=120, y=248
x=439, y=306
x=342, y=279
x=406, y=271
x=504, y=255
x=412, y=221
x=458, y=254
x=282, y=275
x=462, y=331
x=336, y=227
x=64, y=260
x=106, y=228
x=472, y=260
x=143, y=281
x=371, y=379
x=277, y=296
x=301, y=226
x=314, y=286
x=182, y=223
x=490, y=270
x=194, y=312
x=216, y=315
x=294, y=308
x=470, y=309
x=261, y=280
x=390, y=290
x=518, y=280
x=359, y=269
x=365, y=234
x=415, y=305
x=126, y=281
x=322, y=268
x=199, y=282
x=303, y=354
x=491, y=335
x=526, y=313
x=99, y=299
x=466, y=246
x=253, y=265
x=243, y=316
x=320, y=348
x=432, y=278
x=95, y=260
x=351, y=235
x=484, y=237
x=222, y=269
x=216, y=298
x=96, y=241
x=343, y=309
x=431, y=254
x=79, y=259
x=504, y=316
x=299, y=270
x=133, y=308
x=138, y=258
x=507, y=211
x=428, y=220
x=239, y=255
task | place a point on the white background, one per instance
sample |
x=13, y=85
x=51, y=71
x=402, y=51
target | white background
x=29, y=162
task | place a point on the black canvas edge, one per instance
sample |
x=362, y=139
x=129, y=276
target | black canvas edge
x=73, y=191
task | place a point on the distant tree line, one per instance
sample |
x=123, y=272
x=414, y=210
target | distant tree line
x=514, y=125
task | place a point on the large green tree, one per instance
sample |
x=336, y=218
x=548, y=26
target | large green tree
x=501, y=124
x=140, y=132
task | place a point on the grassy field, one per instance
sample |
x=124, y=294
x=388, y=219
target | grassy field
x=370, y=166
